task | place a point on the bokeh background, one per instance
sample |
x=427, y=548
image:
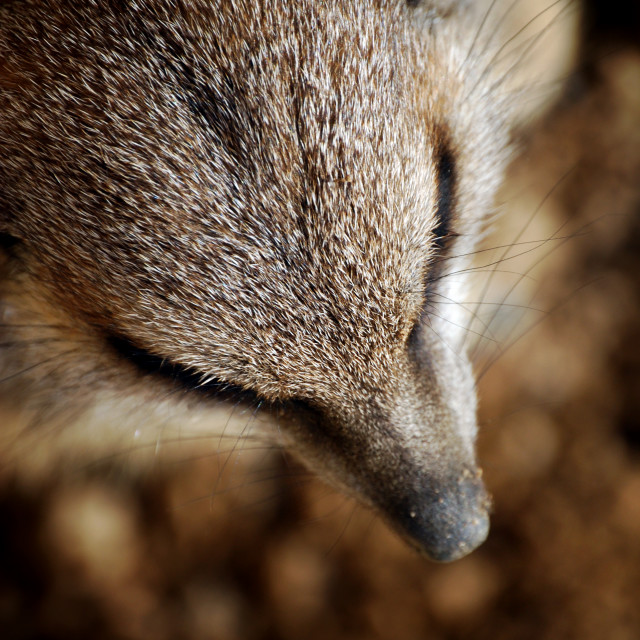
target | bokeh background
x=250, y=546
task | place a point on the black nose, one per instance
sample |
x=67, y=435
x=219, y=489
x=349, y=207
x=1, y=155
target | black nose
x=447, y=519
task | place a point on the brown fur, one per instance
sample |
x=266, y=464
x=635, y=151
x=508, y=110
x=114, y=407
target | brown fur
x=248, y=194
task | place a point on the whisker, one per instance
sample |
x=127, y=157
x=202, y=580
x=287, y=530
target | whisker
x=519, y=235
x=37, y=365
x=463, y=327
x=456, y=353
x=532, y=43
x=518, y=338
x=239, y=442
x=496, y=54
x=478, y=33
x=496, y=27
x=524, y=307
x=354, y=509
x=542, y=259
x=260, y=479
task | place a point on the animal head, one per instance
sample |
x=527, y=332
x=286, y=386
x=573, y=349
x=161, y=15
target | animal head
x=260, y=200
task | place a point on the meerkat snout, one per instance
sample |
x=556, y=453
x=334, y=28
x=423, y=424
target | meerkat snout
x=448, y=521
x=397, y=430
x=266, y=200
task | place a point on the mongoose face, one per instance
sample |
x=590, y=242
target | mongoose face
x=265, y=200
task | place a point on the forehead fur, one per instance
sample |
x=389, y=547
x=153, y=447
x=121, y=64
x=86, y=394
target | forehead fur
x=257, y=200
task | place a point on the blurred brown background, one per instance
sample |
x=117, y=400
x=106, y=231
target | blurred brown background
x=181, y=554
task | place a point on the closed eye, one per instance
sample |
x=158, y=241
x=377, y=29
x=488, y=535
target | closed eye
x=183, y=377
x=443, y=232
x=446, y=188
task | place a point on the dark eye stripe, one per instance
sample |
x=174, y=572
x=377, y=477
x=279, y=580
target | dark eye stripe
x=184, y=377
x=446, y=177
x=443, y=231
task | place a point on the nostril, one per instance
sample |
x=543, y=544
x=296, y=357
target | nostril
x=446, y=520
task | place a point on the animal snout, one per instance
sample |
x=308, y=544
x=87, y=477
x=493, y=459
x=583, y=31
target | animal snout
x=445, y=519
